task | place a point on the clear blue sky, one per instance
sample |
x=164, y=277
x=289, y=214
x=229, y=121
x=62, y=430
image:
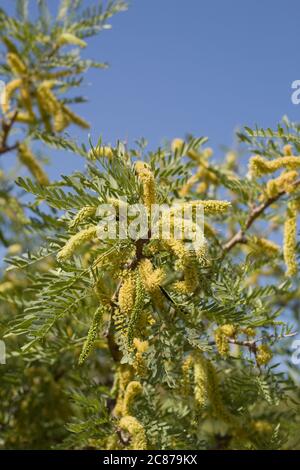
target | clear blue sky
x=199, y=66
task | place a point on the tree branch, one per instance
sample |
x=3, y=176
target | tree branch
x=239, y=237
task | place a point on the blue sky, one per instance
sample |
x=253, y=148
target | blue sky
x=199, y=66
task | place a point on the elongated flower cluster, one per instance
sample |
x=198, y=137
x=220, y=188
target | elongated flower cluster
x=151, y=278
x=127, y=294
x=16, y=64
x=136, y=311
x=263, y=354
x=139, y=362
x=70, y=39
x=29, y=160
x=133, y=390
x=222, y=334
x=202, y=173
x=101, y=151
x=284, y=182
x=290, y=239
x=263, y=245
x=259, y=166
x=75, y=242
x=92, y=334
x=137, y=432
x=146, y=177
x=83, y=215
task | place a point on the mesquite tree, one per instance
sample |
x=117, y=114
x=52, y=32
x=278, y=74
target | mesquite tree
x=142, y=342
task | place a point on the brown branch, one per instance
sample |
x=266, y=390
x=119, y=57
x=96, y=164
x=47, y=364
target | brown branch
x=239, y=237
x=6, y=128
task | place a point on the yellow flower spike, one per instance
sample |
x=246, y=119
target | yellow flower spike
x=9, y=90
x=46, y=99
x=137, y=432
x=177, y=144
x=288, y=150
x=146, y=177
x=75, y=242
x=141, y=346
x=249, y=331
x=264, y=245
x=25, y=118
x=259, y=166
x=187, y=369
x=263, y=427
x=283, y=183
x=74, y=118
x=126, y=296
x=200, y=381
x=61, y=121
x=5, y=286
x=136, y=311
x=16, y=64
x=133, y=390
x=263, y=354
x=28, y=159
x=211, y=207
x=221, y=334
x=83, y=215
x=92, y=334
x=139, y=362
x=101, y=151
x=290, y=239
x=151, y=278
x=70, y=39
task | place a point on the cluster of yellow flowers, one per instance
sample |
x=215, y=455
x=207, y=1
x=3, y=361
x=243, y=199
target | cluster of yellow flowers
x=146, y=177
x=284, y=183
x=32, y=92
x=29, y=160
x=202, y=176
x=263, y=354
x=222, y=334
x=128, y=391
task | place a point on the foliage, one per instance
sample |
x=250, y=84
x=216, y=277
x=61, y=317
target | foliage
x=121, y=343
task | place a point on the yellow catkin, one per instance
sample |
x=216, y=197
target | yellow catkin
x=290, y=239
x=262, y=427
x=126, y=296
x=139, y=362
x=83, y=215
x=75, y=242
x=46, y=99
x=5, y=286
x=9, y=90
x=70, y=39
x=212, y=207
x=101, y=151
x=26, y=118
x=187, y=369
x=264, y=245
x=137, y=432
x=200, y=381
x=259, y=166
x=28, y=159
x=151, y=278
x=16, y=64
x=124, y=375
x=284, y=182
x=146, y=177
x=263, y=354
x=288, y=150
x=222, y=334
x=249, y=331
x=73, y=117
x=61, y=121
x=133, y=390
